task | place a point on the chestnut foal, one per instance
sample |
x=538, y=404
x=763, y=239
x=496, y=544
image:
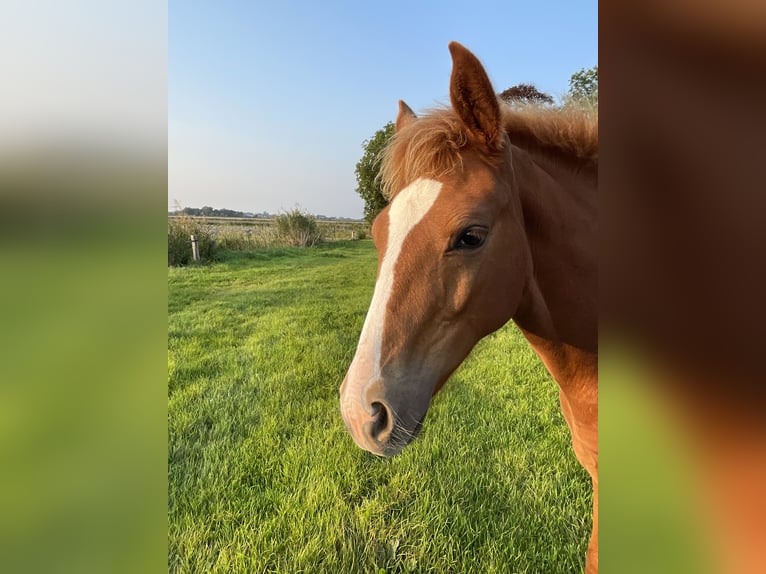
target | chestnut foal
x=492, y=217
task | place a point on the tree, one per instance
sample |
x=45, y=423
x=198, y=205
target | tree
x=368, y=183
x=583, y=86
x=525, y=94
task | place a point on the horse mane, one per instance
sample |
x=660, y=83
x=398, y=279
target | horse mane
x=432, y=146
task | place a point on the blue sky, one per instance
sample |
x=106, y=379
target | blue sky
x=269, y=102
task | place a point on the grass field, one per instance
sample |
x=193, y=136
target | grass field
x=263, y=477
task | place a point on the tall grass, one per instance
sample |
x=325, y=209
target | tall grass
x=238, y=238
x=216, y=234
x=180, y=230
x=263, y=476
x=298, y=228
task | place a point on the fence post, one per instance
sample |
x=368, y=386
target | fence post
x=195, y=248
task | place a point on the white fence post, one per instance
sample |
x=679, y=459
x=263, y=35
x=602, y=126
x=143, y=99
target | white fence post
x=195, y=248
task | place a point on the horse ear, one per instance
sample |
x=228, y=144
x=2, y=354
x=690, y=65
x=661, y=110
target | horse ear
x=473, y=97
x=406, y=116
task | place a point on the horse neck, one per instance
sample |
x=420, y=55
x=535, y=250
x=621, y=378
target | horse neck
x=559, y=210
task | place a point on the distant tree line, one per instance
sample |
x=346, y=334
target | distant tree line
x=208, y=211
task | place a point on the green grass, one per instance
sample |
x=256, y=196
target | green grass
x=263, y=477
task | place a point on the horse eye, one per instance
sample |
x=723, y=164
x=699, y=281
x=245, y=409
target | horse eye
x=471, y=238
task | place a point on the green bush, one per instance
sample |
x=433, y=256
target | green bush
x=298, y=228
x=180, y=230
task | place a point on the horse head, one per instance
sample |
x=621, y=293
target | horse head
x=452, y=259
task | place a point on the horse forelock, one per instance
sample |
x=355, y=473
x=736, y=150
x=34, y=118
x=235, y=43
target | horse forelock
x=434, y=145
x=430, y=148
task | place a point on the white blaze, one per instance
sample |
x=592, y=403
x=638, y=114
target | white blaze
x=407, y=209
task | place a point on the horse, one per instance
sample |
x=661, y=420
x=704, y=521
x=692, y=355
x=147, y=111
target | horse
x=492, y=218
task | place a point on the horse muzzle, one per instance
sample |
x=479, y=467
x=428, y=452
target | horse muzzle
x=372, y=420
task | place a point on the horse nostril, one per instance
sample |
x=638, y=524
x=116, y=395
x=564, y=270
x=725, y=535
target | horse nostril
x=382, y=424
